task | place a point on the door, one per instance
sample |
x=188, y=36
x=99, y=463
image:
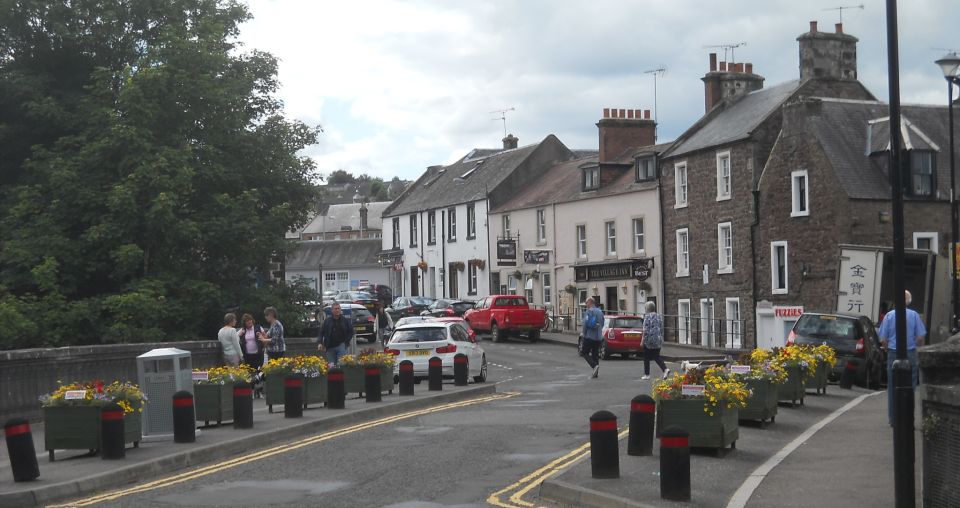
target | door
x=611, y=299
x=414, y=281
x=433, y=282
x=454, y=286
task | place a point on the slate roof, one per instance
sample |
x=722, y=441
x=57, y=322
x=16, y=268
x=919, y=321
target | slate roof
x=347, y=214
x=843, y=126
x=309, y=255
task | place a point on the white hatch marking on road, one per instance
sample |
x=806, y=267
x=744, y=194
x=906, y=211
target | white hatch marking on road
x=742, y=496
x=508, y=380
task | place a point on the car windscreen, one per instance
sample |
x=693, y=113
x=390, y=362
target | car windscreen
x=420, y=335
x=826, y=326
x=420, y=301
x=462, y=307
x=625, y=323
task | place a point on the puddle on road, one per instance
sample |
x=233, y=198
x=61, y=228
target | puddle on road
x=253, y=493
x=423, y=430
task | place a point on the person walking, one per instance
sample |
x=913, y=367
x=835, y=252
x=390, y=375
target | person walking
x=251, y=346
x=229, y=340
x=652, y=340
x=916, y=333
x=273, y=337
x=591, y=338
x=383, y=324
x=335, y=334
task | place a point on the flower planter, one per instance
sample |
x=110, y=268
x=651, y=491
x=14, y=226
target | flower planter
x=78, y=428
x=762, y=404
x=354, y=379
x=213, y=402
x=717, y=431
x=818, y=381
x=793, y=390
x=314, y=390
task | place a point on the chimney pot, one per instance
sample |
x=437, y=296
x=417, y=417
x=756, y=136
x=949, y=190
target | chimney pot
x=739, y=67
x=637, y=113
x=630, y=114
x=723, y=66
x=839, y=27
x=623, y=113
x=606, y=112
x=749, y=68
x=713, y=62
x=646, y=114
x=813, y=26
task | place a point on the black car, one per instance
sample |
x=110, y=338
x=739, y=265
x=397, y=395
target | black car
x=853, y=337
x=447, y=308
x=382, y=293
x=405, y=306
x=361, y=318
x=358, y=298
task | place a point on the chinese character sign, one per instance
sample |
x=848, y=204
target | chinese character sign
x=858, y=280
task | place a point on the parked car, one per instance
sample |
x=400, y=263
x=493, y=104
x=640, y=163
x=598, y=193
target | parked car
x=382, y=293
x=852, y=336
x=622, y=334
x=404, y=306
x=361, y=318
x=460, y=322
x=411, y=320
x=444, y=307
x=506, y=315
x=358, y=298
x=419, y=342
x=329, y=296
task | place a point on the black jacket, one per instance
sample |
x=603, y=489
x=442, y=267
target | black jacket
x=326, y=331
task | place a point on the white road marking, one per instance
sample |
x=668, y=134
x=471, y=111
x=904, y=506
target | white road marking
x=742, y=496
x=508, y=380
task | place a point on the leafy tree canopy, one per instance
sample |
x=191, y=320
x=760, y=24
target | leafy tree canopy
x=147, y=174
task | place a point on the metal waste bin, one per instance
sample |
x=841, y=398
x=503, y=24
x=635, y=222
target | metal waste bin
x=161, y=373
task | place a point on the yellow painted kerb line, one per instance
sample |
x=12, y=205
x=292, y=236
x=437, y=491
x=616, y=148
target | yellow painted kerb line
x=518, y=490
x=276, y=450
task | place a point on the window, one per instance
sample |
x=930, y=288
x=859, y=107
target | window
x=431, y=228
x=591, y=179
x=451, y=224
x=708, y=329
x=611, y=228
x=683, y=253
x=511, y=284
x=724, y=248
x=506, y=226
x=472, y=279
x=547, y=289
x=734, y=325
x=646, y=168
x=413, y=230
x=778, y=267
x=638, y=244
x=396, y=232
x=683, y=321
x=680, y=183
x=800, y=189
x=541, y=226
x=343, y=281
x=471, y=221
x=922, y=182
x=454, y=275
x=581, y=241
x=926, y=241
x=723, y=176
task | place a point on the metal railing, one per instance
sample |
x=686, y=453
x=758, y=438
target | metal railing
x=705, y=332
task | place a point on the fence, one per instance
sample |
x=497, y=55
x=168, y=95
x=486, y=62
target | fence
x=705, y=332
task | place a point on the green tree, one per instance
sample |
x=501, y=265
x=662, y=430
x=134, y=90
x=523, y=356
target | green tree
x=378, y=190
x=339, y=177
x=148, y=173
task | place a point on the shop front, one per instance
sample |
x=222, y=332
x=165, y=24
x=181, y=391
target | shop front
x=774, y=323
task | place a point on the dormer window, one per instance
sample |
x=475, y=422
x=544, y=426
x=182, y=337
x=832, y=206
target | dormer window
x=923, y=183
x=646, y=168
x=591, y=178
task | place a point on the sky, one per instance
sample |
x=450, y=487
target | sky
x=399, y=86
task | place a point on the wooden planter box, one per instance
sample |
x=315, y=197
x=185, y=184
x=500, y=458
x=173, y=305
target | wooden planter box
x=78, y=428
x=314, y=390
x=818, y=381
x=354, y=379
x=793, y=390
x=762, y=404
x=213, y=403
x=717, y=431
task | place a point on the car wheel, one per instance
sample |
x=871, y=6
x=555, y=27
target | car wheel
x=482, y=378
x=534, y=335
x=495, y=333
x=604, y=352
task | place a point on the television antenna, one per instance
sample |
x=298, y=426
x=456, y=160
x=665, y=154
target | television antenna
x=728, y=48
x=659, y=71
x=842, y=8
x=503, y=117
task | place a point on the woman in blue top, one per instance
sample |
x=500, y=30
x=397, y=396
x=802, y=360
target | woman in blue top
x=652, y=340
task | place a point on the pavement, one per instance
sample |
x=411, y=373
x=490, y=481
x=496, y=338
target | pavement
x=669, y=352
x=75, y=472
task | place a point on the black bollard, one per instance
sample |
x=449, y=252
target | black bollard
x=242, y=405
x=461, y=369
x=675, y=464
x=335, y=395
x=640, y=439
x=372, y=383
x=435, y=374
x=293, y=396
x=604, y=451
x=111, y=432
x=406, y=377
x=23, y=456
x=849, y=374
x=184, y=423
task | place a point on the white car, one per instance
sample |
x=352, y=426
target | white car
x=421, y=341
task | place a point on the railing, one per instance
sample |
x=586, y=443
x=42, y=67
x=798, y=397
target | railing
x=705, y=332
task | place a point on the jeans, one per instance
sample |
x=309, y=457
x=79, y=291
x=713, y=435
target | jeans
x=591, y=352
x=334, y=353
x=652, y=354
x=891, y=357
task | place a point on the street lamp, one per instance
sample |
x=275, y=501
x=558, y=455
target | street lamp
x=950, y=65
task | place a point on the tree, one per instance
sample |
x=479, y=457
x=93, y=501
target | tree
x=340, y=177
x=148, y=173
x=378, y=190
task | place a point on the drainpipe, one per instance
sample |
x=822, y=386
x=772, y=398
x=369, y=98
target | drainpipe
x=663, y=256
x=753, y=260
x=443, y=264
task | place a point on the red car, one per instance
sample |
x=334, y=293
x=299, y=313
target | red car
x=622, y=335
x=462, y=322
x=504, y=315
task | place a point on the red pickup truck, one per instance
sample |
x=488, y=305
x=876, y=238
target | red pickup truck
x=505, y=315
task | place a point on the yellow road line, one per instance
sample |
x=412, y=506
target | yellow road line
x=523, y=486
x=276, y=450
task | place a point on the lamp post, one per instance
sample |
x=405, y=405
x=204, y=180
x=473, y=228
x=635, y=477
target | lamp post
x=950, y=65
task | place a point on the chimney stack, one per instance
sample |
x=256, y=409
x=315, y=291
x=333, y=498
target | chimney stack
x=623, y=129
x=510, y=142
x=825, y=55
x=730, y=81
x=363, y=216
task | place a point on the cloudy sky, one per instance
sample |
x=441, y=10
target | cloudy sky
x=399, y=86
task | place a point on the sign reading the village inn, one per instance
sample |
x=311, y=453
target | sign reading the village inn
x=629, y=269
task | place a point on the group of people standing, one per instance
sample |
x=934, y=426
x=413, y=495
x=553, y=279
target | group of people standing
x=652, y=338
x=248, y=343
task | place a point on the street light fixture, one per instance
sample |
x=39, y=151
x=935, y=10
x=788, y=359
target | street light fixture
x=950, y=65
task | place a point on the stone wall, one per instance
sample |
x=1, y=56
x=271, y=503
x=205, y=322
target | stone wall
x=940, y=422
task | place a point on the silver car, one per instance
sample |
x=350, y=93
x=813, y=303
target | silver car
x=418, y=342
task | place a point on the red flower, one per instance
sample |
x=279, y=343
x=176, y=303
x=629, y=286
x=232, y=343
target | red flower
x=99, y=386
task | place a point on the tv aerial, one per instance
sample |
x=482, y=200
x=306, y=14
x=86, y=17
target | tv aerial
x=727, y=48
x=843, y=8
x=503, y=117
x=659, y=71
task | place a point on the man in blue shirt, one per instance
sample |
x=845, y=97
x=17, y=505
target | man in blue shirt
x=590, y=345
x=916, y=332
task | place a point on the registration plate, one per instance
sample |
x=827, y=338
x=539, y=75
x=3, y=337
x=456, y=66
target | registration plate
x=361, y=328
x=417, y=352
x=631, y=336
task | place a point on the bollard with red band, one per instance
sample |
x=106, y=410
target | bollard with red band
x=112, y=444
x=435, y=374
x=604, y=449
x=642, y=411
x=675, y=464
x=184, y=425
x=335, y=394
x=406, y=378
x=293, y=396
x=372, y=383
x=242, y=405
x=23, y=455
x=461, y=369
x=848, y=376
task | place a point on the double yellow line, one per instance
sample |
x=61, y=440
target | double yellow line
x=521, y=488
x=276, y=450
